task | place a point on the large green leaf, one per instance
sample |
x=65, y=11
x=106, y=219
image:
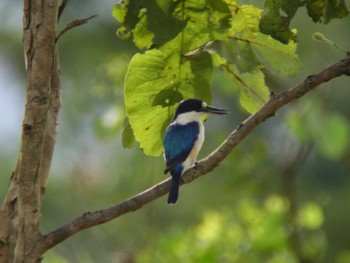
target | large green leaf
x=154, y=84
x=276, y=56
x=254, y=48
x=159, y=78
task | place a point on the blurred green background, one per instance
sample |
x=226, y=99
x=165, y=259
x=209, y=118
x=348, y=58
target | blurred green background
x=281, y=196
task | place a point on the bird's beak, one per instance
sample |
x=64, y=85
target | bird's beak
x=214, y=110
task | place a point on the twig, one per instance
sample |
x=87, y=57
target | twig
x=61, y=8
x=204, y=166
x=74, y=23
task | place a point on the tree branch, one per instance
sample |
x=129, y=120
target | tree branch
x=20, y=213
x=73, y=24
x=268, y=110
x=61, y=7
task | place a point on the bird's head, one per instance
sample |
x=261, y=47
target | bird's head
x=194, y=109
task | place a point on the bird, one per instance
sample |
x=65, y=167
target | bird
x=183, y=140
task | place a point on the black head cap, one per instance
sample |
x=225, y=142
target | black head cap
x=190, y=105
x=198, y=106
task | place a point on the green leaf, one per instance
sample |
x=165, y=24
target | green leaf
x=143, y=37
x=157, y=19
x=326, y=10
x=161, y=21
x=127, y=13
x=253, y=91
x=251, y=85
x=206, y=20
x=154, y=84
x=276, y=20
x=245, y=22
x=127, y=134
x=254, y=48
x=278, y=15
x=119, y=12
x=278, y=57
x=199, y=20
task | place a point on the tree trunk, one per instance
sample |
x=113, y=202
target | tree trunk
x=20, y=212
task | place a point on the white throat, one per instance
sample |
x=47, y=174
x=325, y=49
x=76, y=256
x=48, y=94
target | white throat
x=187, y=117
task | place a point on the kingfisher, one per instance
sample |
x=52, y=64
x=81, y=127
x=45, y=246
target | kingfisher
x=183, y=139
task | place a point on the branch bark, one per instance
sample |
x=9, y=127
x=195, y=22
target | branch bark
x=51, y=123
x=73, y=24
x=204, y=166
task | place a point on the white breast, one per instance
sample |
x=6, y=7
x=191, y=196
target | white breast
x=191, y=159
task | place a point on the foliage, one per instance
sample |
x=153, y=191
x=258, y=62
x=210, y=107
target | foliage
x=279, y=14
x=177, y=59
x=253, y=232
x=200, y=35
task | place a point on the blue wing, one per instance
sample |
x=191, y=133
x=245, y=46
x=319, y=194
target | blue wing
x=178, y=143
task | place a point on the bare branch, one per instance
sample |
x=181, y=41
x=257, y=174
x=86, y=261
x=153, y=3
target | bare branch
x=74, y=23
x=61, y=7
x=268, y=110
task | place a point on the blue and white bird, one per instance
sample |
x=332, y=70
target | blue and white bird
x=183, y=140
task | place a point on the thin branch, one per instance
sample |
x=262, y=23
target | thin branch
x=61, y=7
x=74, y=23
x=204, y=166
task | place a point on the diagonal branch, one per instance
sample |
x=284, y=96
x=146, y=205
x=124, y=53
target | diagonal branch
x=268, y=110
x=73, y=24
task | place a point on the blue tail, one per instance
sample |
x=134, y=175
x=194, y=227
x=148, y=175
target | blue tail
x=175, y=184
